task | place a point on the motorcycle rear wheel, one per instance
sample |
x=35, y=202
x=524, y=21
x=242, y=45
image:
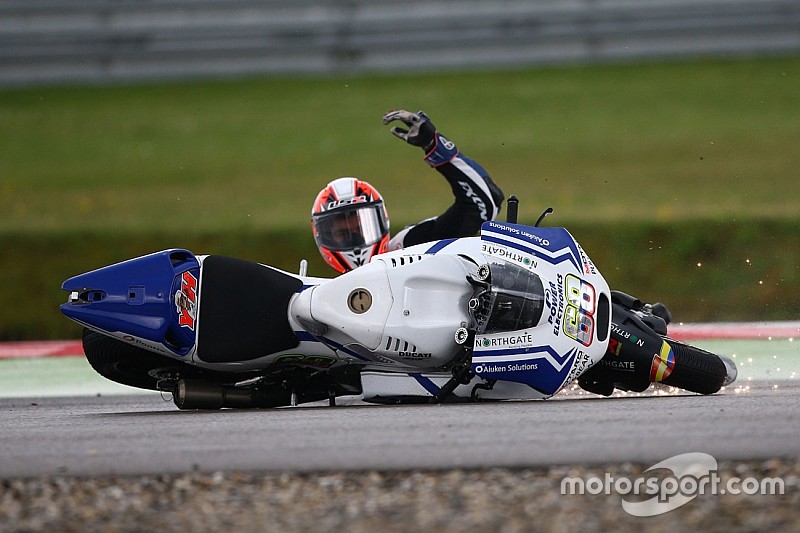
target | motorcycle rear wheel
x=122, y=362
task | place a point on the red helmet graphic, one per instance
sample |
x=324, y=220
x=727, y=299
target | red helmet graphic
x=350, y=223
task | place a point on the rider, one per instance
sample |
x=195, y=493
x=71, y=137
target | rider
x=349, y=219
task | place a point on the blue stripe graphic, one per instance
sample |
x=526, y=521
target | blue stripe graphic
x=439, y=245
x=568, y=255
x=427, y=384
x=308, y=337
x=531, y=350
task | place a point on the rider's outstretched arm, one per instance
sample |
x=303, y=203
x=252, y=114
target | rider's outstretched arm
x=477, y=197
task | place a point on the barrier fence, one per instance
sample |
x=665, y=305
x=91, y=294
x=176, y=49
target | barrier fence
x=100, y=41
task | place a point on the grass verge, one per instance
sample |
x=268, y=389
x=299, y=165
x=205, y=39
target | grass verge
x=702, y=271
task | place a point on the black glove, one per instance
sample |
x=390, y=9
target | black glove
x=421, y=131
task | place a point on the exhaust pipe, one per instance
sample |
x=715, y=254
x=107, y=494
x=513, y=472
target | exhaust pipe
x=201, y=394
x=196, y=394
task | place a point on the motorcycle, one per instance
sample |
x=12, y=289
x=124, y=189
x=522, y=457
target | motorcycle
x=518, y=313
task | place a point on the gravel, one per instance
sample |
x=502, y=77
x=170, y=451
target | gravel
x=506, y=500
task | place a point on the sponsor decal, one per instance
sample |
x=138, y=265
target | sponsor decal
x=512, y=367
x=508, y=254
x=663, y=363
x=554, y=300
x=186, y=301
x=514, y=341
x=588, y=266
x=522, y=233
x=415, y=355
x=625, y=366
x=626, y=335
x=355, y=200
x=148, y=345
x=561, y=248
x=579, y=366
x=614, y=347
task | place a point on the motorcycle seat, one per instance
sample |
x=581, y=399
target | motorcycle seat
x=243, y=310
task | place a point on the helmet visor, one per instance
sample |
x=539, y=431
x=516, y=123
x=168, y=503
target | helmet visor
x=347, y=229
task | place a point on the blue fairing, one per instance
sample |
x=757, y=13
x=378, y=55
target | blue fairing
x=152, y=297
x=560, y=328
x=545, y=370
x=554, y=245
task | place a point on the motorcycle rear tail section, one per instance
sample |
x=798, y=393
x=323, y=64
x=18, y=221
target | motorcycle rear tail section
x=215, y=309
x=152, y=298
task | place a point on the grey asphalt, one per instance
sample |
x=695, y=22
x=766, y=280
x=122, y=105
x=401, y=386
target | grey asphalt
x=146, y=435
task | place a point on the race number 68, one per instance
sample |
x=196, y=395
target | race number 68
x=579, y=314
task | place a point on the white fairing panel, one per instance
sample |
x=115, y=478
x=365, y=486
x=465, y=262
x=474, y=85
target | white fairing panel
x=354, y=306
x=390, y=387
x=398, y=311
x=431, y=303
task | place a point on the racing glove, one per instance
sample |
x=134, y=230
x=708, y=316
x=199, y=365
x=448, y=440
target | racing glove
x=421, y=131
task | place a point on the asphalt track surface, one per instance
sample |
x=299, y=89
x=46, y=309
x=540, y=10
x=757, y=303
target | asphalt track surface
x=142, y=434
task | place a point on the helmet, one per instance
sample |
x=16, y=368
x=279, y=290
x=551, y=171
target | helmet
x=350, y=223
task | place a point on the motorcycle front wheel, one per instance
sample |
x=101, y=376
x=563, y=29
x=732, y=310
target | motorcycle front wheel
x=699, y=371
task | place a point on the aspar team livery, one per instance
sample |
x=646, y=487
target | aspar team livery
x=517, y=313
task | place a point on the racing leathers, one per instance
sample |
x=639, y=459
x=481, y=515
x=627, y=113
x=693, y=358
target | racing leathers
x=477, y=198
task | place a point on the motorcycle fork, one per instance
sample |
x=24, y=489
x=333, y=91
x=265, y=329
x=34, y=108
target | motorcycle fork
x=462, y=375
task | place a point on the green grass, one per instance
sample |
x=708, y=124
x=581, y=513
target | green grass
x=655, y=167
x=709, y=140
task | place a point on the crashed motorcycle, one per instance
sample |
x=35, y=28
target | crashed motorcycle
x=518, y=313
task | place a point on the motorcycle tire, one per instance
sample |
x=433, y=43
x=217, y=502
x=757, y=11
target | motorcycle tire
x=696, y=370
x=122, y=362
